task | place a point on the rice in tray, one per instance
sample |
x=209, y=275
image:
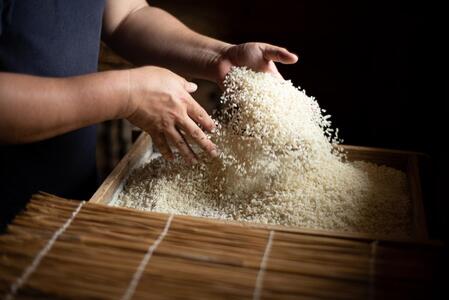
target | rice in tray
x=280, y=163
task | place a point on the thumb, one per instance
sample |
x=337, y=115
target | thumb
x=279, y=54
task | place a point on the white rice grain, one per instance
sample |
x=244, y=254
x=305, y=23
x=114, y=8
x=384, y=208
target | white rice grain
x=279, y=164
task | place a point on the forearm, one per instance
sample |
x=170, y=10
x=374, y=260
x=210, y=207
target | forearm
x=35, y=108
x=152, y=36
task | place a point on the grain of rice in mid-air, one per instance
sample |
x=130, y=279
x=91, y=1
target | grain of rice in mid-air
x=279, y=164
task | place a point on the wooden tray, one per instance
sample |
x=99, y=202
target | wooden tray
x=402, y=160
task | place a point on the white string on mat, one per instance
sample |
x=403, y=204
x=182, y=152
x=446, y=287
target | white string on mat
x=263, y=267
x=44, y=251
x=144, y=262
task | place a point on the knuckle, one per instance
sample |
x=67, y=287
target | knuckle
x=165, y=123
x=184, y=100
x=166, y=96
x=174, y=115
x=172, y=99
x=197, y=134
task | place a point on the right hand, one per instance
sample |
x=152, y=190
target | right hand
x=160, y=104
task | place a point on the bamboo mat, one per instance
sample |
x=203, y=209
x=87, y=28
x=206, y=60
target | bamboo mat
x=67, y=249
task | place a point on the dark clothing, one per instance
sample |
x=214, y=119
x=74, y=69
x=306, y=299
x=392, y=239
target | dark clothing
x=55, y=38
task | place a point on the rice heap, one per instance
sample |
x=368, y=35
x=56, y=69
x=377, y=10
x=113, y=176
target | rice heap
x=279, y=164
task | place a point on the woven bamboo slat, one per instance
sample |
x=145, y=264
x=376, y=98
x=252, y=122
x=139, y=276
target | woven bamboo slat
x=67, y=249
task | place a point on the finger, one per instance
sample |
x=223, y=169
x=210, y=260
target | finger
x=179, y=141
x=161, y=144
x=190, y=87
x=279, y=54
x=273, y=70
x=199, y=115
x=199, y=137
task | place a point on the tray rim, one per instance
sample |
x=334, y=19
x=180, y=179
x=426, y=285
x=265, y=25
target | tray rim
x=142, y=149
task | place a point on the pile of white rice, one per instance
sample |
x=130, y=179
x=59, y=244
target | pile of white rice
x=279, y=164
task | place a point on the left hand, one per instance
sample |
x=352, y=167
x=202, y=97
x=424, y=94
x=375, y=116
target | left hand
x=259, y=57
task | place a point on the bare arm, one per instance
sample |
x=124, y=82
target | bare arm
x=35, y=108
x=148, y=35
x=158, y=101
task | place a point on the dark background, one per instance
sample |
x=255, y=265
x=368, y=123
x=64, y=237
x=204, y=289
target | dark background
x=380, y=69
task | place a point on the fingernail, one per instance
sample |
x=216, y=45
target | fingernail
x=214, y=153
x=191, y=86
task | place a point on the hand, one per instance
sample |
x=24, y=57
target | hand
x=160, y=104
x=256, y=56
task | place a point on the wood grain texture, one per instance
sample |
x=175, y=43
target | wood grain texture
x=110, y=185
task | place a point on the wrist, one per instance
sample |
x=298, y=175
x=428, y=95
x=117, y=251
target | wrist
x=217, y=62
x=121, y=96
x=106, y=93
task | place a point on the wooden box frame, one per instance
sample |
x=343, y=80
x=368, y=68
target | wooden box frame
x=404, y=160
